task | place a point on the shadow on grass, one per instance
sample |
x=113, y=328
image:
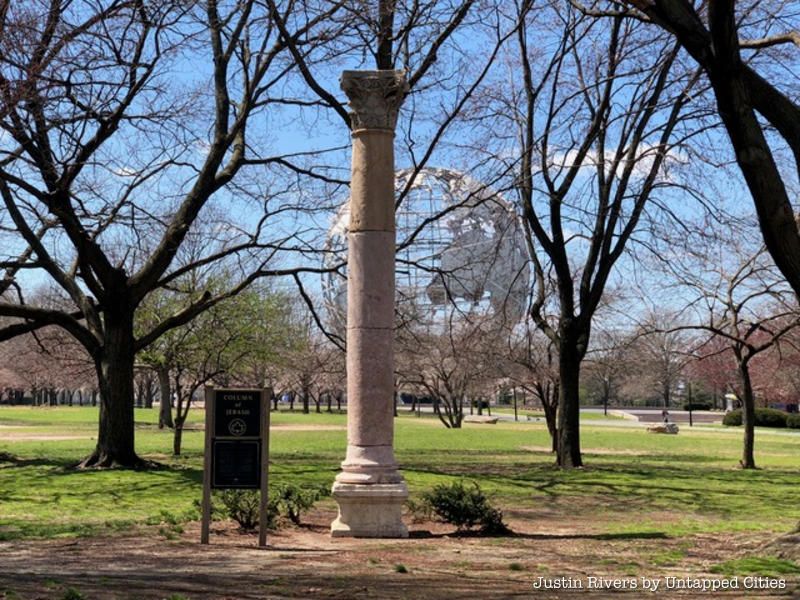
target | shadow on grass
x=282, y=581
x=702, y=490
x=7, y=459
x=633, y=535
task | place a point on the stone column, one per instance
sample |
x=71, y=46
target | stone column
x=370, y=490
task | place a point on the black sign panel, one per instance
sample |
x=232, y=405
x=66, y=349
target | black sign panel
x=237, y=413
x=236, y=464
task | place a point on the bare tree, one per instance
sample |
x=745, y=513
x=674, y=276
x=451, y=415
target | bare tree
x=662, y=352
x=532, y=364
x=451, y=361
x=103, y=151
x=595, y=123
x=740, y=48
x=314, y=366
x=607, y=365
x=741, y=300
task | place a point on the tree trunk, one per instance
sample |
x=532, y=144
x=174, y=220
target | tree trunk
x=569, y=372
x=773, y=204
x=114, y=365
x=148, y=401
x=329, y=398
x=305, y=400
x=140, y=393
x=177, y=436
x=516, y=415
x=548, y=397
x=748, y=417
x=165, y=393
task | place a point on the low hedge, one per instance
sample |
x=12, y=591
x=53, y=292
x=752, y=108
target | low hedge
x=765, y=417
x=697, y=406
x=793, y=421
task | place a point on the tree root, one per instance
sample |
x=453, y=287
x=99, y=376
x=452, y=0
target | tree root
x=102, y=460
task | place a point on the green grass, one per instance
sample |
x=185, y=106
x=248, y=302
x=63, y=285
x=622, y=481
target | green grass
x=634, y=483
x=667, y=558
x=757, y=565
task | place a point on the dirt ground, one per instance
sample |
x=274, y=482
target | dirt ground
x=305, y=562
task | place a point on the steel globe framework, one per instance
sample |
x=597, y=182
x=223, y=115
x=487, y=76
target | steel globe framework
x=460, y=251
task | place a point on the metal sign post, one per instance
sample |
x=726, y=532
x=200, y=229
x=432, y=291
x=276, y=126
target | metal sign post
x=236, y=449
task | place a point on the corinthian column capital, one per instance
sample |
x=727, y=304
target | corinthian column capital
x=375, y=98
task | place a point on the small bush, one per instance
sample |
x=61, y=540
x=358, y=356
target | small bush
x=242, y=506
x=401, y=568
x=464, y=506
x=733, y=418
x=286, y=500
x=292, y=500
x=697, y=406
x=793, y=421
x=769, y=417
x=72, y=594
x=765, y=417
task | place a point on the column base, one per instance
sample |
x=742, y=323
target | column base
x=370, y=510
x=369, y=465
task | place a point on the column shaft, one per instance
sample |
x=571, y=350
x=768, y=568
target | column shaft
x=370, y=490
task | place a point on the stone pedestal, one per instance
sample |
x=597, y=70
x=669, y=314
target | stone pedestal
x=370, y=490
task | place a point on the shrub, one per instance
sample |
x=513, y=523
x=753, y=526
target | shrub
x=291, y=500
x=765, y=417
x=464, y=506
x=697, y=406
x=285, y=500
x=733, y=418
x=242, y=506
x=769, y=417
x=793, y=421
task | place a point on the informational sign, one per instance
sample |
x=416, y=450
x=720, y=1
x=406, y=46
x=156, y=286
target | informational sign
x=237, y=413
x=236, y=464
x=236, y=449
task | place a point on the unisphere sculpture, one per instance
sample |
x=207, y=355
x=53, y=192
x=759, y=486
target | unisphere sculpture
x=460, y=246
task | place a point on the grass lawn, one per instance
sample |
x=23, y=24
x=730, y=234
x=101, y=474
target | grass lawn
x=644, y=506
x=524, y=413
x=633, y=481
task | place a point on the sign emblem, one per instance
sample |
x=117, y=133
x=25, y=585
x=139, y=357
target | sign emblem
x=237, y=427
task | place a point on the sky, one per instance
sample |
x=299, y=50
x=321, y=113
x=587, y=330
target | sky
x=288, y=129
